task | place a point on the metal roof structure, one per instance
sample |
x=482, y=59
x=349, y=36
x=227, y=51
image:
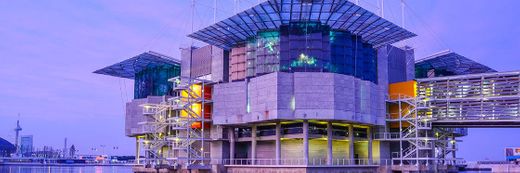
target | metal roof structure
x=271, y=14
x=128, y=68
x=452, y=62
x=6, y=145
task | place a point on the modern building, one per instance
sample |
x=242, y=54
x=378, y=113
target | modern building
x=308, y=86
x=26, y=145
x=6, y=148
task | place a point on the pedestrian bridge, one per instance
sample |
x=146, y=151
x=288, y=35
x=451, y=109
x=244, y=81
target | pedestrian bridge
x=476, y=100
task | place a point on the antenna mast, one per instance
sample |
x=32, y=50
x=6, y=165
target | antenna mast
x=402, y=13
x=214, y=11
x=382, y=10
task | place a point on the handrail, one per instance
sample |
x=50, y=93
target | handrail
x=303, y=162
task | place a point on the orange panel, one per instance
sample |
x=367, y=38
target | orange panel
x=407, y=88
x=207, y=92
x=198, y=125
x=207, y=111
x=393, y=109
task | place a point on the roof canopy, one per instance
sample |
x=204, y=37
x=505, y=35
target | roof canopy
x=128, y=68
x=453, y=62
x=271, y=14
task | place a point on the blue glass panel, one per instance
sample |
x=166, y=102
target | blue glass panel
x=153, y=81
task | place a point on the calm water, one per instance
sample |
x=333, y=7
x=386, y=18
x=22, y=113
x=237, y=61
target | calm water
x=65, y=169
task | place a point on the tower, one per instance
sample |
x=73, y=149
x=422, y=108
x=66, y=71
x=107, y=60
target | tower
x=65, y=149
x=17, y=130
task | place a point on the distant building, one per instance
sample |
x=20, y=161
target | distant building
x=6, y=148
x=26, y=145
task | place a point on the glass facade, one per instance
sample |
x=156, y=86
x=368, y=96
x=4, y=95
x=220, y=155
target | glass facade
x=310, y=47
x=153, y=81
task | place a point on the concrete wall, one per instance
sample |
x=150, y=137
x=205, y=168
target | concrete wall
x=134, y=115
x=201, y=61
x=229, y=103
x=282, y=169
x=208, y=62
x=301, y=95
x=219, y=65
x=265, y=149
x=340, y=149
x=291, y=149
x=317, y=149
x=360, y=149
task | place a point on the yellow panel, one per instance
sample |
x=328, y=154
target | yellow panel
x=196, y=88
x=196, y=107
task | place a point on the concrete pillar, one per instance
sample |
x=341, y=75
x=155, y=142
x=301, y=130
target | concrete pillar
x=306, y=141
x=369, y=136
x=253, y=144
x=329, y=143
x=231, y=136
x=278, y=142
x=351, y=143
x=137, y=150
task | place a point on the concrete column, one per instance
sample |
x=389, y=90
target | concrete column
x=253, y=144
x=351, y=143
x=369, y=136
x=306, y=141
x=137, y=150
x=329, y=143
x=231, y=136
x=278, y=142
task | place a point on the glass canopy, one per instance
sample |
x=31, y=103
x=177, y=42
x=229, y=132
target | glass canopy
x=271, y=14
x=130, y=67
x=448, y=63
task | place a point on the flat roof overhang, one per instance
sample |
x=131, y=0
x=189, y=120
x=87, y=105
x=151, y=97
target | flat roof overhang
x=128, y=68
x=271, y=14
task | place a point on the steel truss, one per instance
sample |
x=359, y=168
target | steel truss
x=415, y=137
x=177, y=137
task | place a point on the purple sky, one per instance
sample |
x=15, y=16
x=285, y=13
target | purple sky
x=49, y=50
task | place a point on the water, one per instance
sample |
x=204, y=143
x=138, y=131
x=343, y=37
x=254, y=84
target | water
x=64, y=169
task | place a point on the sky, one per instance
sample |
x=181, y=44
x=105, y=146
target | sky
x=49, y=49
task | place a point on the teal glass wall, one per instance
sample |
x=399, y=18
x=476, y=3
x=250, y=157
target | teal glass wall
x=305, y=47
x=153, y=81
x=311, y=47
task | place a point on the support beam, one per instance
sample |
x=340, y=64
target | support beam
x=253, y=144
x=137, y=150
x=306, y=142
x=351, y=143
x=231, y=136
x=329, y=143
x=278, y=142
x=369, y=136
x=453, y=154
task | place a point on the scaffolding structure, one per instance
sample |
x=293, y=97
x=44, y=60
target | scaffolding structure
x=177, y=137
x=416, y=141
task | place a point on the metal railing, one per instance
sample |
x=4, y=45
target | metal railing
x=386, y=135
x=303, y=162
